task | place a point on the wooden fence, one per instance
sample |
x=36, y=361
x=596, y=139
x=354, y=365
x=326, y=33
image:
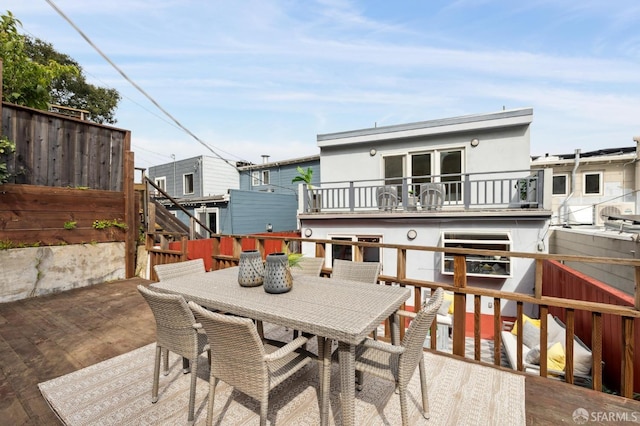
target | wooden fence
x=88, y=172
x=56, y=216
x=62, y=151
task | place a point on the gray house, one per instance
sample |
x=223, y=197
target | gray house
x=277, y=176
x=234, y=198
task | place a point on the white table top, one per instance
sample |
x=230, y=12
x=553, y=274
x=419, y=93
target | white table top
x=343, y=310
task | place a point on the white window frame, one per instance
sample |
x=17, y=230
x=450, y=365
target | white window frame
x=350, y=237
x=184, y=184
x=266, y=177
x=161, y=182
x=566, y=184
x=478, y=266
x=600, y=183
x=255, y=178
x=436, y=169
x=206, y=210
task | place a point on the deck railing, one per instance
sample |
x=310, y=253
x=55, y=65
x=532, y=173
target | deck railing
x=511, y=189
x=600, y=313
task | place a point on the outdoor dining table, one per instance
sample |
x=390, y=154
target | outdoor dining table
x=332, y=309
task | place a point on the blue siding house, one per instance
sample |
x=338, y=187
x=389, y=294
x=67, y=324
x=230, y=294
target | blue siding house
x=231, y=198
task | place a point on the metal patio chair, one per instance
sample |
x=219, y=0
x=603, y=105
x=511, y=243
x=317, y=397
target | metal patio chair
x=387, y=197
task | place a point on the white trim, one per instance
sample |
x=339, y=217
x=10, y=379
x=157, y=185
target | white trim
x=566, y=184
x=600, y=183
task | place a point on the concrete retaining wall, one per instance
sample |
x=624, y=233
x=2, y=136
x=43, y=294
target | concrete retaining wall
x=37, y=271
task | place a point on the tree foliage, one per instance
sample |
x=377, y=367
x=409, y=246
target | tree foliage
x=24, y=81
x=36, y=75
x=72, y=89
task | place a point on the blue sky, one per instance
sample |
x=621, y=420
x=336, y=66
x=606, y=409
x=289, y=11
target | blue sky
x=265, y=77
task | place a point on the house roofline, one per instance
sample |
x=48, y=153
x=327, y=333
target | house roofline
x=521, y=116
x=281, y=163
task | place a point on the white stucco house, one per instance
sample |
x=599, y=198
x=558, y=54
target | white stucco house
x=453, y=182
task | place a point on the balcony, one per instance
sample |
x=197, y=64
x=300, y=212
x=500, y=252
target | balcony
x=432, y=194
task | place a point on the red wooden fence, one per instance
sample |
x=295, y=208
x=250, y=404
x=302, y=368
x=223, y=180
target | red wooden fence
x=203, y=249
x=562, y=281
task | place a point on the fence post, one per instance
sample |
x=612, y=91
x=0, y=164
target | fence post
x=459, y=304
x=466, y=184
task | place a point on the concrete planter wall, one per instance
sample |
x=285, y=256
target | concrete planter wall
x=37, y=271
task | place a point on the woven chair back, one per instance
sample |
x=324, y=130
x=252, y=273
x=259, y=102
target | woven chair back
x=366, y=272
x=168, y=271
x=174, y=322
x=237, y=352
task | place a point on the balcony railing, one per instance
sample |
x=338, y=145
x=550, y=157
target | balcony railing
x=495, y=190
x=593, y=316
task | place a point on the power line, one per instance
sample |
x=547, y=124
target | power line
x=134, y=84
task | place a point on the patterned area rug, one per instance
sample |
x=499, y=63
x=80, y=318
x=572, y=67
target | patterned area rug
x=118, y=392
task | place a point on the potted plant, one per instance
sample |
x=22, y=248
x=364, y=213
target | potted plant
x=305, y=176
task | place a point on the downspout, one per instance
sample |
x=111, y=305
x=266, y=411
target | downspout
x=564, y=207
x=624, y=175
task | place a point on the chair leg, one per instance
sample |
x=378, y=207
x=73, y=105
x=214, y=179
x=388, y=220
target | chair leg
x=192, y=391
x=359, y=380
x=165, y=353
x=156, y=375
x=403, y=405
x=423, y=388
x=213, y=381
x=264, y=408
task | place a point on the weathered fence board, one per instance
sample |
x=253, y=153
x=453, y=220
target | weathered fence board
x=37, y=214
x=62, y=151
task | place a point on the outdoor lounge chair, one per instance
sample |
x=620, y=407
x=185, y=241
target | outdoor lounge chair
x=431, y=195
x=242, y=360
x=387, y=197
x=397, y=363
x=176, y=331
x=168, y=271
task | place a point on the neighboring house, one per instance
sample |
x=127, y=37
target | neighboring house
x=277, y=176
x=201, y=185
x=588, y=186
x=455, y=182
x=234, y=198
x=591, y=192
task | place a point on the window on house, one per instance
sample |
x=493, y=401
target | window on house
x=559, y=185
x=593, y=183
x=451, y=174
x=421, y=166
x=265, y=177
x=161, y=182
x=480, y=265
x=345, y=252
x=188, y=184
x=255, y=178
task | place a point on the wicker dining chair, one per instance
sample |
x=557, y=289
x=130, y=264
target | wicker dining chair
x=366, y=272
x=177, y=332
x=397, y=363
x=168, y=271
x=308, y=266
x=240, y=358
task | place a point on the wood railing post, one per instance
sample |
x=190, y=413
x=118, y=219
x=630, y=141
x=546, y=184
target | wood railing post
x=215, y=252
x=459, y=304
x=497, y=328
x=626, y=381
x=401, y=274
x=538, y=279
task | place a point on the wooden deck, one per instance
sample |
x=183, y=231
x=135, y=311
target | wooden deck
x=47, y=337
